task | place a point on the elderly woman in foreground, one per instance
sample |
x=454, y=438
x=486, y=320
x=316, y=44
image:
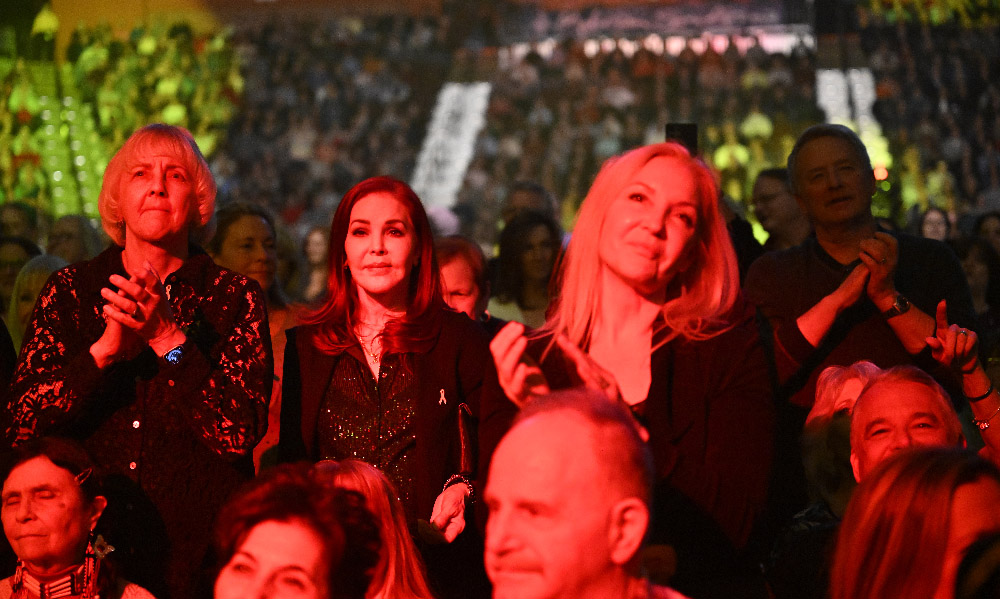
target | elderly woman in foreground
x=154, y=357
x=52, y=501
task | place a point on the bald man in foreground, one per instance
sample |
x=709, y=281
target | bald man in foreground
x=568, y=496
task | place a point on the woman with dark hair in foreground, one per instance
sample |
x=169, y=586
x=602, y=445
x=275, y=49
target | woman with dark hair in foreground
x=290, y=533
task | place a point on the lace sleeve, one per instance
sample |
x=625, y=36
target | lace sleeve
x=55, y=374
x=223, y=383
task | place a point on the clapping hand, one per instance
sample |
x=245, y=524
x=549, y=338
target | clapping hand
x=141, y=305
x=880, y=254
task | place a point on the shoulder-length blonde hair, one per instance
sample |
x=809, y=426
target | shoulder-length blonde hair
x=893, y=539
x=698, y=299
x=400, y=571
x=149, y=141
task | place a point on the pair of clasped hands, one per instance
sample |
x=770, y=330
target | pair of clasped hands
x=873, y=276
x=951, y=345
x=137, y=314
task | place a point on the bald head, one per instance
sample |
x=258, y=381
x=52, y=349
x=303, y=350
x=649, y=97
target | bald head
x=568, y=496
x=609, y=431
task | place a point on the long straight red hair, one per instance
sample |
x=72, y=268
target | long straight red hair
x=417, y=329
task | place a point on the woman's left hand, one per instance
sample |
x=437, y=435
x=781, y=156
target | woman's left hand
x=952, y=345
x=449, y=511
x=142, y=305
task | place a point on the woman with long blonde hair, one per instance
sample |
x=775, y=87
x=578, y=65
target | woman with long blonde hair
x=648, y=309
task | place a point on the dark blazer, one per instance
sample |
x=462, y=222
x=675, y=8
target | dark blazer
x=459, y=364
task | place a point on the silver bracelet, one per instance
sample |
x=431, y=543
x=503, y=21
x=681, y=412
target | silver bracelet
x=458, y=478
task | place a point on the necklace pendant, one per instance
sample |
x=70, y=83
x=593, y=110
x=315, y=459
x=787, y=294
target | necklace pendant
x=442, y=400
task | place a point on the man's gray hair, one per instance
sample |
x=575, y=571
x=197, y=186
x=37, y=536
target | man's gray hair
x=826, y=130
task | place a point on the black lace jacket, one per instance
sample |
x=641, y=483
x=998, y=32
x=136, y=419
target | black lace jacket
x=180, y=434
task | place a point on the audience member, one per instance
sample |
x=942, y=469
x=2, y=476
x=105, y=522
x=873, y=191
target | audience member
x=28, y=285
x=905, y=407
x=569, y=497
x=901, y=408
x=650, y=265
x=317, y=243
x=244, y=242
x=529, y=246
x=400, y=571
x=851, y=292
x=53, y=499
x=981, y=264
x=18, y=219
x=799, y=564
x=74, y=239
x=528, y=196
x=464, y=282
x=777, y=210
x=384, y=372
x=909, y=523
x=934, y=223
x=154, y=357
x=14, y=254
x=289, y=533
x=987, y=226
x=978, y=575
x=837, y=389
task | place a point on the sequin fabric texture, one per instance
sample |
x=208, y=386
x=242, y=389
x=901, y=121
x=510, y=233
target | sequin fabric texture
x=372, y=421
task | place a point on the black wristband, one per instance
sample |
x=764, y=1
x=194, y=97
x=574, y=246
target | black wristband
x=983, y=396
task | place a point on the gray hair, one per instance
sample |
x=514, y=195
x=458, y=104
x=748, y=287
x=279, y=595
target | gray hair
x=826, y=130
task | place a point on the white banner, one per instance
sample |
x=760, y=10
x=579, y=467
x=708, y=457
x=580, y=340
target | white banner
x=459, y=115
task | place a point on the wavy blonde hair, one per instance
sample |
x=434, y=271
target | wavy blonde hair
x=698, y=298
x=147, y=141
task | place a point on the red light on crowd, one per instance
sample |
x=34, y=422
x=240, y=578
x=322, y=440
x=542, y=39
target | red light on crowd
x=881, y=173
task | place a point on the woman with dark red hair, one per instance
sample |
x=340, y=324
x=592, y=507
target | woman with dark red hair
x=384, y=372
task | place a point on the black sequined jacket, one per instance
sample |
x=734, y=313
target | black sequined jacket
x=179, y=436
x=458, y=367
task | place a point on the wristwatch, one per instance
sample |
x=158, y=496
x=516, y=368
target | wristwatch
x=174, y=355
x=900, y=306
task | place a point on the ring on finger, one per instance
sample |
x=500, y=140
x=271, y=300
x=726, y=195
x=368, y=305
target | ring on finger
x=963, y=332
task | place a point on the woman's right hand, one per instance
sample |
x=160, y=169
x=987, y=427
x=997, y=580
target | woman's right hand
x=520, y=376
x=117, y=343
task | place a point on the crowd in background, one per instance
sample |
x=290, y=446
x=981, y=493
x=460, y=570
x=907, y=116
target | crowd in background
x=291, y=115
x=555, y=117
x=938, y=103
